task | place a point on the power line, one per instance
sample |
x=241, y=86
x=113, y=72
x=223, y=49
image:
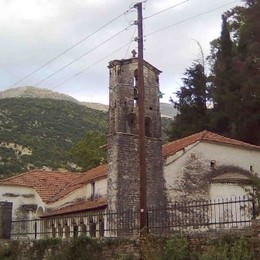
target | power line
x=162, y=11
x=132, y=39
x=75, y=75
x=80, y=57
x=190, y=18
x=70, y=48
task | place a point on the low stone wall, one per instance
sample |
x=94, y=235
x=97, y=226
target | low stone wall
x=80, y=248
x=149, y=247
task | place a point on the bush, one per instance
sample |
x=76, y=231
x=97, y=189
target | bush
x=177, y=248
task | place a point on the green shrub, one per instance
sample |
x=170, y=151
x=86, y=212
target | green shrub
x=229, y=248
x=81, y=248
x=177, y=248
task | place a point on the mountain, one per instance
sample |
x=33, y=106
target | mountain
x=39, y=132
x=97, y=106
x=33, y=92
x=167, y=110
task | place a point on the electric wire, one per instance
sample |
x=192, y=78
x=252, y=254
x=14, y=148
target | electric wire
x=70, y=48
x=132, y=39
x=190, y=18
x=162, y=11
x=208, y=11
x=83, y=55
x=77, y=74
x=159, y=30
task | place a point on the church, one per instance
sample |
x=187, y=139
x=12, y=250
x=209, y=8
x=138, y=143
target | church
x=198, y=168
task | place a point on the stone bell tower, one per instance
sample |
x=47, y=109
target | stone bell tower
x=123, y=156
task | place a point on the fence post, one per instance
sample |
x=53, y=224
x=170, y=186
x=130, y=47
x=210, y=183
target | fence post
x=5, y=219
x=35, y=230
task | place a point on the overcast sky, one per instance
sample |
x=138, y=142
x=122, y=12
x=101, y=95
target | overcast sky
x=33, y=32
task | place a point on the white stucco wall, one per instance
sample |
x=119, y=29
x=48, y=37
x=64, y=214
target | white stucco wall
x=224, y=154
x=101, y=188
x=82, y=193
x=72, y=197
x=219, y=191
x=20, y=196
x=187, y=174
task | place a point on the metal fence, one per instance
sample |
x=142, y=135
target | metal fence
x=186, y=216
x=204, y=215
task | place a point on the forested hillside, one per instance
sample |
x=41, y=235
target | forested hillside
x=40, y=132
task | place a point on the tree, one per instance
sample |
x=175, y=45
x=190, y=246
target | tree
x=191, y=104
x=235, y=75
x=223, y=85
x=247, y=62
x=88, y=153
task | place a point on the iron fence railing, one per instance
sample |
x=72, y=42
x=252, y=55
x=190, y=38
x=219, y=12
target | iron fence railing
x=180, y=216
x=204, y=215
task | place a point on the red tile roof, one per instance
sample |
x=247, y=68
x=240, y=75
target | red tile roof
x=46, y=183
x=80, y=207
x=175, y=146
x=93, y=174
x=52, y=186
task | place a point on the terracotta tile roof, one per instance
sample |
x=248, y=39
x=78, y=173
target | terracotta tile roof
x=175, y=146
x=79, y=207
x=93, y=174
x=52, y=186
x=46, y=183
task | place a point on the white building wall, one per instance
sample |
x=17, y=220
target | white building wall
x=20, y=196
x=77, y=195
x=231, y=155
x=82, y=193
x=188, y=174
x=101, y=188
x=220, y=191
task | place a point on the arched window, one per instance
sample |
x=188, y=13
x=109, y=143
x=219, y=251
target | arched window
x=148, y=127
x=39, y=212
x=135, y=84
x=101, y=226
x=83, y=228
x=131, y=123
x=92, y=227
x=53, y=230
x=75, y=230
x=60, y=230
x=67, y=230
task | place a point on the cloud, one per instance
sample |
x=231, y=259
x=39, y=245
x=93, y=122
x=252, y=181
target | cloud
x=35, y=31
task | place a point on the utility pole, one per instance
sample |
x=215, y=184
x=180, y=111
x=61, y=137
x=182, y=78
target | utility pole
x=141, y=123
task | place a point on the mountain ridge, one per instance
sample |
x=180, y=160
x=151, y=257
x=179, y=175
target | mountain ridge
x=167, y=110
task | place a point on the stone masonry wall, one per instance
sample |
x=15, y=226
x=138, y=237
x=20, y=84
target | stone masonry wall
x=123, y=155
